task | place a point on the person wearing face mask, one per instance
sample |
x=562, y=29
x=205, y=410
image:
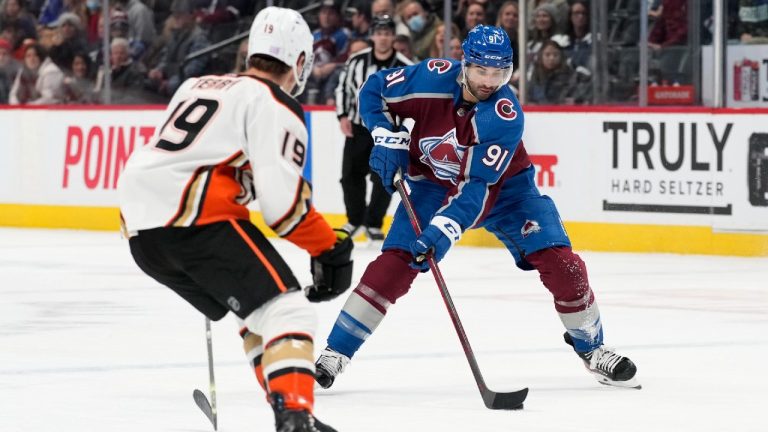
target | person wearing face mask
x=422, y=25
x=93, y=13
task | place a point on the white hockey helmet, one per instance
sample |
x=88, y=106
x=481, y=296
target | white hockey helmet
x=284, y=35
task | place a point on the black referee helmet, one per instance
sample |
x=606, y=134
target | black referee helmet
x=382, y=21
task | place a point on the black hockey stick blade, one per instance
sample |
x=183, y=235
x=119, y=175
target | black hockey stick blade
x=505, y=401
x=205, y=406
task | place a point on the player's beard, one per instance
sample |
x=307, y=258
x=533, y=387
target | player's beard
x=479, y=91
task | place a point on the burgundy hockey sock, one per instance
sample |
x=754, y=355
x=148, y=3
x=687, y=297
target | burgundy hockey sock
x=565, y=276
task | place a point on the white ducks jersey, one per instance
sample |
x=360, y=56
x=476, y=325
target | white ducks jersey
x=225, y=141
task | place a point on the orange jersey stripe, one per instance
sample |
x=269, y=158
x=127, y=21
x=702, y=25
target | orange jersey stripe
x=260, y=255
x=219, y=199
x=313, y=234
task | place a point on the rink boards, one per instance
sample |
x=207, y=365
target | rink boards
x=643, y=180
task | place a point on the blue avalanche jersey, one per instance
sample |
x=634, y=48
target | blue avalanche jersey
x=470, y=149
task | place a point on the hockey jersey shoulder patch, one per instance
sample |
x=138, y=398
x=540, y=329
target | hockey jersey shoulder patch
x=505, y=109
x=440, y=66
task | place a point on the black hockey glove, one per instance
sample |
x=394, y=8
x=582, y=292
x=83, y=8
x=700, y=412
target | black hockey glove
x=331, y=270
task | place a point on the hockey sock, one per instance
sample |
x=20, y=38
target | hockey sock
x=385, y=280
x=565, y=276
x=254, y=350
x=288, y=363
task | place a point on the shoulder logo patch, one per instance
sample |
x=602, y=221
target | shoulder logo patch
x=506, y=109
x=439, y=65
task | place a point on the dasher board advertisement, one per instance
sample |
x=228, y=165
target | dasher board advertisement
x=655, y=168
x=746, y=76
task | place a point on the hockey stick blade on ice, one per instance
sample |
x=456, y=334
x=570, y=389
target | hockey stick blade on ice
x=493, y=400
x=204, y=405
x=208, y=408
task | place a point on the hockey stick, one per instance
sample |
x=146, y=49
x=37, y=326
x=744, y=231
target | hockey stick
x=493, y=400
x=208, y=408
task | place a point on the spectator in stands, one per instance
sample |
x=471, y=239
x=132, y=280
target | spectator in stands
x=140, y=19
x=68, y=39
x=474, y=15
x=331, y=35
x=404, y=46
x=386, y=7
x=560, y=13
x=509, y=19
x=330, y=48
x=422, y=25
x=50, y=12
x=78, y=8
x=544, y=25
x=127, y=75
x=217, y=12
x=438, y=44
x=219, y=18
x=92, y=31
x=578, y=39
x=332, y=82
x=14, y=11
x=10, y=34
x=454, y=49
x=671, y=26
x=382, y=7
x=154, y=53
x=78, y=85
x=39, y=81
x=753, y=21
x=361, y=19
x=119, y=27
x=9, y=67
x=240, y=60
x=23, y=88
x=553, y=81
x=186, y=37
x=358, y=44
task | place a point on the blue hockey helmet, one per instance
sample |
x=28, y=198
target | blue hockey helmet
x=488, y=46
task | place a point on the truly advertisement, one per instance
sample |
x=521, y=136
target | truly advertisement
x=654, y=168
x=669, y=167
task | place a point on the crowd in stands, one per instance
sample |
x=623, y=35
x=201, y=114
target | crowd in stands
x=51, y=50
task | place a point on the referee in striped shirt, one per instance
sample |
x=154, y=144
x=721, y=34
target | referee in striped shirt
x=358, y=144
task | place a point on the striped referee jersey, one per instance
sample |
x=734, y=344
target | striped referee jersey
x=357, y=69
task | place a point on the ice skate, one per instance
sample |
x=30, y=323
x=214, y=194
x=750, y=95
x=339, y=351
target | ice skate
x=608, y=367
x=330, y=364
x=350, y=229
x=375, y=236
x=295, y=420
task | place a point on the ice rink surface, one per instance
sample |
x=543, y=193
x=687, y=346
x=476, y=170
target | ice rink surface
x=89, y=343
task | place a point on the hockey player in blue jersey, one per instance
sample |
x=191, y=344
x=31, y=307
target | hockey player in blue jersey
x=466, y=168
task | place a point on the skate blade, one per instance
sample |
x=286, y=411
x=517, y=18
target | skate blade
x=630, y=383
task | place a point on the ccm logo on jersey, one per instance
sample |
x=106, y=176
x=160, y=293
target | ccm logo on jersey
x=441, y=66
x=506, y=109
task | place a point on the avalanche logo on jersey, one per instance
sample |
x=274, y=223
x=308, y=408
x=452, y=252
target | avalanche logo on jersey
x=530, y=227
x=443, y=154
x=506, y=109
x=439, y=65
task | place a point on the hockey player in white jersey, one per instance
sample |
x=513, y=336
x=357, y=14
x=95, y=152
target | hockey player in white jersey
x=225, y=141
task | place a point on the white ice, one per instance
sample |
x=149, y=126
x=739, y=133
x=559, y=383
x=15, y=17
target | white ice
x=89, y=343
